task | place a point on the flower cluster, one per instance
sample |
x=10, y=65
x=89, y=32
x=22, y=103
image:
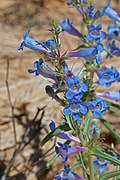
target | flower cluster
x=82, y=105
x=74, y=94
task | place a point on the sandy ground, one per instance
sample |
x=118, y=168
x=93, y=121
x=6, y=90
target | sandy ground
x=26, y=91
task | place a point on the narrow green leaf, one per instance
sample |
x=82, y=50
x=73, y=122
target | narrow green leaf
x=70, y=122
x=55, y=132
x=114, y=107
x=77, y=165
x=87, y=125
x=116, y=178
x=110, y=175
x=101, y=154
x=48, y=164
x=113, y=132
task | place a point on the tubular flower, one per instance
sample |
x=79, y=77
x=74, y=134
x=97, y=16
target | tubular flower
x=100, y=49
x=114, y=31
x=48, y=47
x=113, y=49
x=75, y=108
x=91, y=11
x=109, y=12
x=67, y=26
x=88, y=53
x=84, y=53
x=50, y=91
x=112, y=13
x=110, y=95
x=98, y=107
x=43, y=69
x=96, y=34
x=66, y=174
x=65, y=150
x=64, y=135
x=50, y=44
x=33, y=44
x=107, y=76
x=75, y=88
x=101, y=165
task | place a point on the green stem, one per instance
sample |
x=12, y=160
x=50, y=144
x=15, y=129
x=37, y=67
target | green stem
x=81, y=138
x=85, y=173
x=90, y=159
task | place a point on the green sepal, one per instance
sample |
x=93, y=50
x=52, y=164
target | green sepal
x=113, y=132
x=110, y=175
x=104, y=155
x=57, y=130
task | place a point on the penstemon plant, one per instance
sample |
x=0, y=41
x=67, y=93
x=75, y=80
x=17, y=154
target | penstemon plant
x=83, y=107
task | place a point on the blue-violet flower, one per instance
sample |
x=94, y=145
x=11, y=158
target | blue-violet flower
x=66, y=150
x=66, y=174
x=64, y=135
x=113, y=95
x=98, y=107
x=107, y=76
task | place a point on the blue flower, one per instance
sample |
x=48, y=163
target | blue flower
x=75, y=88
x=33, y=44
x=113, y=49
x=91, y=11
x=67, y=26
x=99, y=50
x=50, y=91
x=75, y=108
x=50, y=44
x=88, y=53
x=96, y=34
x=101, y=165
x=114, y=31
x=47, y=47
x=64, y=135
x=65, y=150
x=69, y=3
x=107, y=76
x=107, y=11
x=114, y=95
x=43, y=69
x=98, y=107
x=66, y=174
x=112, y=13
